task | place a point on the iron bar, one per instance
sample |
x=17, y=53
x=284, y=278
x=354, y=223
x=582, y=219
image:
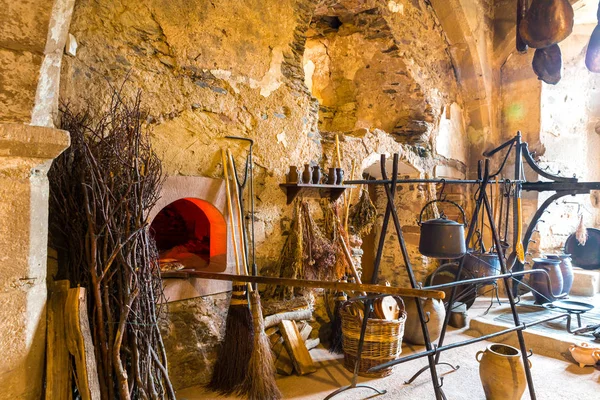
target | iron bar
x=467, y=342
x=389, y=191
x=511, y=300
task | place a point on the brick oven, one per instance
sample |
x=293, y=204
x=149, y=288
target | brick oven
x=189, y=224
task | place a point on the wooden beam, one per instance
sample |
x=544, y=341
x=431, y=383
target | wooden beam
x=58, y=372
x=338, y=286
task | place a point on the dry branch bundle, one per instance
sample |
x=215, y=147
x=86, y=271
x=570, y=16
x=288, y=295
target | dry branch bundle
x=101, y=190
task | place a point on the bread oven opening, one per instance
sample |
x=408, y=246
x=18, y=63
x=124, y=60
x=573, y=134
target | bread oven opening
x=190, y=234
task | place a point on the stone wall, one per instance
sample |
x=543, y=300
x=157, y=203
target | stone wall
x=32, y=37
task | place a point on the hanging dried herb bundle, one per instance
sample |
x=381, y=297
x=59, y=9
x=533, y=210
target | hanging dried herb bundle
x=101, y=190
x=290, y=263
x=318, y=251
x=363, y=215
x=333, y=226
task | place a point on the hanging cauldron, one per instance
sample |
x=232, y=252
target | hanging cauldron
x=442, y=237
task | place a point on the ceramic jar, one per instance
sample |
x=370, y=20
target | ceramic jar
x=541, y=292
x=566, y=269
x=339, y=176
x=584, y=354
x=316, y=175
x=501, y=372
x=307, y=174
x=332, y=177
x=292, y=176
x=436, y=312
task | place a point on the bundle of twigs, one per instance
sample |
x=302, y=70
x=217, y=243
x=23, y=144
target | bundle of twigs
x=101, y=190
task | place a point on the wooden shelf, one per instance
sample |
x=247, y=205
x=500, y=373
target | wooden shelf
x=292, y=190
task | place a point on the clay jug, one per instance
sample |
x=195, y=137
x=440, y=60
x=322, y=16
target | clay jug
x=547, y=22
x=340, y=176
x=541, y=292
x=434, y=310
x=501, y=372
x=316, y=175
x=307, y=174
x=292, y=176
x=566, y=270
x=332, y=177
x=547, y=64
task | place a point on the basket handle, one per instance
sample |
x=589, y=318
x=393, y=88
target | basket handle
x=400, y=304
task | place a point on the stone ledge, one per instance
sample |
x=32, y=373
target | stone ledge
x=20, y=140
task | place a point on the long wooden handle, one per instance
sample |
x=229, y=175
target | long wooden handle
x=230, y=210
x=238, y=208
x=339, y=286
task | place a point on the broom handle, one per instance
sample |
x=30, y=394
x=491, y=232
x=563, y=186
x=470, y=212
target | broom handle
x=339, y=286
x=230, y=210
x=239, y=213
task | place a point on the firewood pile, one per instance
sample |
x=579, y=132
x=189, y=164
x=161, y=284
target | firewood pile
x=287, y=324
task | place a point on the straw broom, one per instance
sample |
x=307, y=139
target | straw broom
x=260, y=381
x=231, y=368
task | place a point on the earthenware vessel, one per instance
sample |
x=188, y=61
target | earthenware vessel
x=316, y=175
x=566, y=270
x=307, y=174
x=584, y=354
x=541, y=292
x=339, y=176
x=436, y=313
x=501, y=372
x=292, y=176
x=332, y=177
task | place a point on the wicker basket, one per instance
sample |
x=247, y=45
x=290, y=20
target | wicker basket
x=383, y=341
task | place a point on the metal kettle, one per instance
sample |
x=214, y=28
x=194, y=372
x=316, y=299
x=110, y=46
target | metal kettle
x=442, y=237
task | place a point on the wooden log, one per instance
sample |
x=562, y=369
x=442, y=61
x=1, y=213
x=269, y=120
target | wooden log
x=305, y=331
x=303, y=363
x=275, y=306
x=58, y=372
x=312, y=343
x=275, y=319
x=79, y=342
x=275, y=338
x=336, y=286
x=283, y=362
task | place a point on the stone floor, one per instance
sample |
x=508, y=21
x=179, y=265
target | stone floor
x=554, y=379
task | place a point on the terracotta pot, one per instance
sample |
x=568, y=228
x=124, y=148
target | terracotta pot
x=566, y=269
x=542, y=292
x=501, y=372
x=412, y=329
x=585, y=355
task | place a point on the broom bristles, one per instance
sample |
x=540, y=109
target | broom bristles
x=260, y=384
x=231, y=367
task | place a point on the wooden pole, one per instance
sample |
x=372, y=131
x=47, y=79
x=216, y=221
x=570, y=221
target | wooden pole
x=338, y=286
